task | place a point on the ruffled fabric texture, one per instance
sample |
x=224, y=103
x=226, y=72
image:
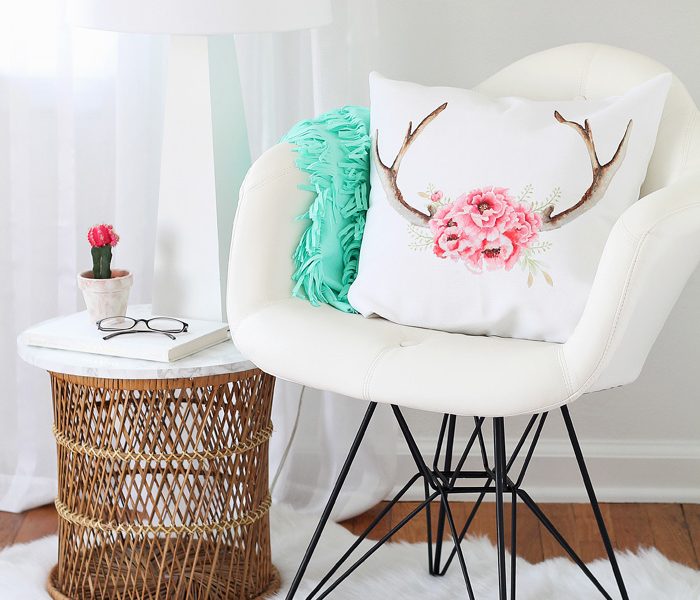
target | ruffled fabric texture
x=334, y=149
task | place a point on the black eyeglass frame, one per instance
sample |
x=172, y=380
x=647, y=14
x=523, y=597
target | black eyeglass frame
x=146, y=322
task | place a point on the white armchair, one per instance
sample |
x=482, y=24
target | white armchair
x=651, y=252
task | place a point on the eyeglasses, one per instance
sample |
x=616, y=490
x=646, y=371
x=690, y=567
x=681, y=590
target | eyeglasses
x=124, y=325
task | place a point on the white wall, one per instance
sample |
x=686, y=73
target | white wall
x=461, y=42
x=643, y=440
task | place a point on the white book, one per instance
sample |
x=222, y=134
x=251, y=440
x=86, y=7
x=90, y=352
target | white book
x=79, y=333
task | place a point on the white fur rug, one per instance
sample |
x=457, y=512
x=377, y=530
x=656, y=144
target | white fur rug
x=399, y=570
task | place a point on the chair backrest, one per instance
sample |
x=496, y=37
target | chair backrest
x=598, y=71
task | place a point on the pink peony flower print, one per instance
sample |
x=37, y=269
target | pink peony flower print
x=451, y=240
x=494, y=254
x=436, y=196
x=486, y=206
x=486, y=229
x=524, y=230
x=452, y=243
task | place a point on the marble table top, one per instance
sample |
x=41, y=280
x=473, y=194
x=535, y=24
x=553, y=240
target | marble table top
x=216, y=360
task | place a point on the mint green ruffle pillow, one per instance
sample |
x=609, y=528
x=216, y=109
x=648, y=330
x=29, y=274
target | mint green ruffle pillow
x=334, y=149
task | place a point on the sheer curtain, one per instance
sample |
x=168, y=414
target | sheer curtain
x=80, y=130
x=80, y=135
x=285, y=78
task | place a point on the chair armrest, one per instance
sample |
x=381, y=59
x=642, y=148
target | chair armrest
x=652, y=250
x=266, y=231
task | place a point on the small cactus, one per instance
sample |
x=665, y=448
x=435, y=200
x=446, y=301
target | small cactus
x=102, y=238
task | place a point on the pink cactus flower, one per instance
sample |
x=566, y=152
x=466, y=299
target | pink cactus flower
x=102, y=235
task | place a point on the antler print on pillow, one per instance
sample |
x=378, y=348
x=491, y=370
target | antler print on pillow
x=602, y=174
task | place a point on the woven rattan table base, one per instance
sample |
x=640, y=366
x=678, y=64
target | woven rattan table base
x=163, y=488
x=56, y=594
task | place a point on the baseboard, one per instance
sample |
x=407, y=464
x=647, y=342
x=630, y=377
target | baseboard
x=630, y=471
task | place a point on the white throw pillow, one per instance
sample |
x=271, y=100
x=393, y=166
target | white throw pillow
x=488, y=216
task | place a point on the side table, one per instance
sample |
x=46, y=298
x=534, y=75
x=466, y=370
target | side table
x=162, y=476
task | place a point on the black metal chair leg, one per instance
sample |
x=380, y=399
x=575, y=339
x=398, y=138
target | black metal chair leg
x=561, y=540
x=378, y=544
x=458, y=547
x=513, y=543
x=429, y=530
x=442, y=513
x=435, y=483
x=441, y=482
x=363, y=536
x=500, y=476
x=331, y=501
x=594, y=502
x=439, y=534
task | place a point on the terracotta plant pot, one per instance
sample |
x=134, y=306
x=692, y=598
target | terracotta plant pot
x=106, y=297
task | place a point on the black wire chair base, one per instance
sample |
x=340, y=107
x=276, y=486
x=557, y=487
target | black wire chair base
x=445, y=478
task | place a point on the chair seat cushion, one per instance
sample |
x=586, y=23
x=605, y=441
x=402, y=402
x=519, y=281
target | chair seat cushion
x=377, y=360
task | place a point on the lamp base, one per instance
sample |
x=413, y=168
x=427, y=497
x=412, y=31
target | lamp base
x=204, y=158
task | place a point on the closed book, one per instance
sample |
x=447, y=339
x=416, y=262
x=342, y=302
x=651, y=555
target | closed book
x=79, y=333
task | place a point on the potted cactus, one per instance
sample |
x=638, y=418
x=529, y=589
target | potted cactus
x=105, y=290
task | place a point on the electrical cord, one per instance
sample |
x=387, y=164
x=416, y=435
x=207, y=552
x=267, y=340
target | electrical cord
x=285, y=454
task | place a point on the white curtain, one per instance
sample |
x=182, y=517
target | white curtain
x=80, y=133
x=80, y=130
x=287, y=77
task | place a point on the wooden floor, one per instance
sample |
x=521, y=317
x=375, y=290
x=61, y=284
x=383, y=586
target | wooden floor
x=672, y=528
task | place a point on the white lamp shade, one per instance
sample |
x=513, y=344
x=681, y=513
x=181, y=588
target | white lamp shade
x=209, y=17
